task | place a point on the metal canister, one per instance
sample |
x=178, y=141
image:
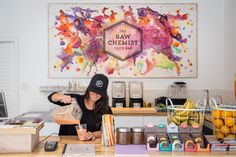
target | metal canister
x=123, y=136
x=138, y=135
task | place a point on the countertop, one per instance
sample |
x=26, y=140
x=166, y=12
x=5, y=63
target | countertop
x=106, y=151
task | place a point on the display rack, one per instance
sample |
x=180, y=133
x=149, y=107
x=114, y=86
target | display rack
x=63, y=89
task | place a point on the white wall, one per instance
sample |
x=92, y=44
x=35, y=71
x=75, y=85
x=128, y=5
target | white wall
x=230, y=36
x=28, y=20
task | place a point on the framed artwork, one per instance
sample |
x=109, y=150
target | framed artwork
x=123, y=40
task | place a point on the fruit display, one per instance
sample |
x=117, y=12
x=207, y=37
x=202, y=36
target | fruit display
x=224, y=122
x=186, y=115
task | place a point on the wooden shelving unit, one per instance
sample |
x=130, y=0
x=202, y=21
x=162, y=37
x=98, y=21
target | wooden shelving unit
x=128, y=111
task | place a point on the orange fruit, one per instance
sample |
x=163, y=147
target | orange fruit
x=226, y=114
x=225, y=130
x=234, y=114
x=219, y=135
x=229, y=122
x=233, y=129
x=216, y=113
x=218, y=123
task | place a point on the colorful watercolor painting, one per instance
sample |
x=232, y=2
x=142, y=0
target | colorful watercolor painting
x=123, y=40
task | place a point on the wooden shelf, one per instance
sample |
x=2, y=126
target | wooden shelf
x=128, y=111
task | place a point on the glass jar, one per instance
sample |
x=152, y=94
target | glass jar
x=137, y=135
x=123, y=136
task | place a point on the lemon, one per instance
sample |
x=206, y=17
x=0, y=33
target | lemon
x=231, y=136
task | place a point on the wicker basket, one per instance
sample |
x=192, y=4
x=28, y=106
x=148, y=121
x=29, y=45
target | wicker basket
x=187, y=116
x=224, y=120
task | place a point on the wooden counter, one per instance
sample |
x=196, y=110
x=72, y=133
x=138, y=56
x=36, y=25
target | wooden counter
x=106, y=151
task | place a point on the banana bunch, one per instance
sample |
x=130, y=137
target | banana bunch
x=201, y=119
x=196, y=117
x=189, y=104
x=184, y=115
x=178, y=120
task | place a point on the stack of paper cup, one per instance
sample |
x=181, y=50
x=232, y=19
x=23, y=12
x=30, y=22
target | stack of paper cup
x=107, y=130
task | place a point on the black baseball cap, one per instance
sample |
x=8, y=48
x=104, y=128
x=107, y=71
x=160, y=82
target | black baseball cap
x=98, y=84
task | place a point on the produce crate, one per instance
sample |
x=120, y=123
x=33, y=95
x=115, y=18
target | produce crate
x=19, y=138
x=185, y=118
x=224, y=120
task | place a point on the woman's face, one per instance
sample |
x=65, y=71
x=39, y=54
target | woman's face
x=94, y=96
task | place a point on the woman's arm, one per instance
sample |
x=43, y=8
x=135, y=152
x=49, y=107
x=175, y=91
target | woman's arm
x=62, y=98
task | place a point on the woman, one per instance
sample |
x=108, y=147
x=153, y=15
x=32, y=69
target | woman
x=93, y=104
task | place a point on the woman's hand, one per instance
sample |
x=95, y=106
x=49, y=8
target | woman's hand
x=66, y=99
x=87, y=136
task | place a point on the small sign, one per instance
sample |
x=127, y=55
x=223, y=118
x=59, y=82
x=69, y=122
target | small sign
x=123, y=40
